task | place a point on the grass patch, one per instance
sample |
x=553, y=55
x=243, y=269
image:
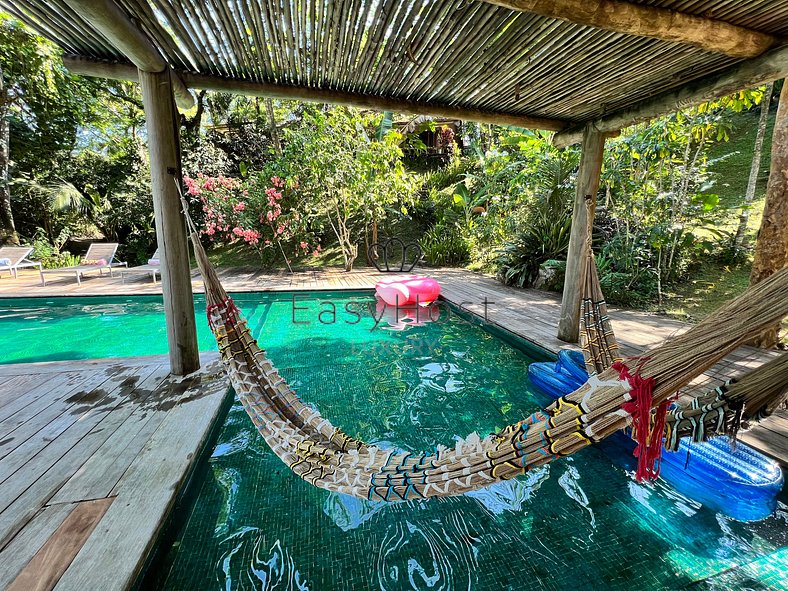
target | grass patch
x=731, y=160
x=709, y=287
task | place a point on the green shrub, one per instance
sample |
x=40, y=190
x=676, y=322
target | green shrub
x=443, y=246
x=546, y=238
x=51, y=256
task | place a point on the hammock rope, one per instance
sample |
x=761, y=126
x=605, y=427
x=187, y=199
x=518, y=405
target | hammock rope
x=597, y=340
x=326, y=457
x=725, y=409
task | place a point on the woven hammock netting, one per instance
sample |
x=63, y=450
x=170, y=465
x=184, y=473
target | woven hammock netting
x=323, y=455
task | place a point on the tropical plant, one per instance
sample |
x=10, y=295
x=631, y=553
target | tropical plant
x=346, y=180
x=443, y=246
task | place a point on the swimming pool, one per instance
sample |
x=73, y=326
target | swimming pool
x=249, y=523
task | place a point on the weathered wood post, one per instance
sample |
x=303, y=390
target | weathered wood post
x=162, y=124
x=593, y=148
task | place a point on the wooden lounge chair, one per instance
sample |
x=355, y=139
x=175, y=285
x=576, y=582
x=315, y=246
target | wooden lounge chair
x=152, y=269
x=13, y=258
x=99, y=257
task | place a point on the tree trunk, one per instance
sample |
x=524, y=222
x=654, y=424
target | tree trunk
x=269, y=109
x=739, y=240
x=8, y=233
x=771, y=247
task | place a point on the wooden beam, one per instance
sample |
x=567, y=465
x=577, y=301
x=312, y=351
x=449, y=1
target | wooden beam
x=162, y=124
x=103, y=69
x=767, y=68
x=115, y=26
x=650, y=21
x=379, y=103
x=587, y=186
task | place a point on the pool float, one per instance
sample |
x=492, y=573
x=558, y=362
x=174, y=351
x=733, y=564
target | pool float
x=404, y=290
x=400, y=318
x=742, y=483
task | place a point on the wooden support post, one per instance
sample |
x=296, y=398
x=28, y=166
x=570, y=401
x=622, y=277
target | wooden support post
x=162, y=125
x=593, y=148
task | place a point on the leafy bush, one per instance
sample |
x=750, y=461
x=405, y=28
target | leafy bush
x=51, y=255
x=444, y=247
x=545, y=238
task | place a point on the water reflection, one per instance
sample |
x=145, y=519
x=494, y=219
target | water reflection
x=581, y=522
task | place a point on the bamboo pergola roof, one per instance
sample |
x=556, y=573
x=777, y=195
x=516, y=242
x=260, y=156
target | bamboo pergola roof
x=465, y=54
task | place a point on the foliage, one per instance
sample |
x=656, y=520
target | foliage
x=346, y=180
x=51, y=254
x=255, y=211
x=444, y=247
x=539, y=228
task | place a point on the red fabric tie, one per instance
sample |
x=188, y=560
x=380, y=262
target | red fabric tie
x=647, y=435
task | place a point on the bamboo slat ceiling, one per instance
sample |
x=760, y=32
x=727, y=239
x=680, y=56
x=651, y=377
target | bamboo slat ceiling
x=461, y=53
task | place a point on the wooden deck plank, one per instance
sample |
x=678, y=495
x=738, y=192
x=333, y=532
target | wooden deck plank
x=15, y=556
x=51, y=561
x=113, y=556
x=40, y=388
x=101, y=472
x=107, y=458
x=11, y=385
x=21, y=428
x=28, y=489
x=57, y=436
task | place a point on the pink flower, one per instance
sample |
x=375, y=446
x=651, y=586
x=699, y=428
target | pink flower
x=238, y=231
x=269, y=216
x=239, y=206
x=315, y=252
x=303, y=245
x=280, y=229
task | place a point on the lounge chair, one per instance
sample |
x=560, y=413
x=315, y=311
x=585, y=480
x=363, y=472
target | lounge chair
x=13, y=258
x=153, y=268
x=99, y=257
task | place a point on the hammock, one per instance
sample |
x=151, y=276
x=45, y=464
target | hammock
x=719, y=412
x=320, y=453
x=597, y=339
x=725, y=409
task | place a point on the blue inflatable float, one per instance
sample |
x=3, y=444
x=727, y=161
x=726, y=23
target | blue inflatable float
x=742, y=484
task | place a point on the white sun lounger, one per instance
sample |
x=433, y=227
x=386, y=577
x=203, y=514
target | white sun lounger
x=150, y=269
x=96, y=252
x=13, y=258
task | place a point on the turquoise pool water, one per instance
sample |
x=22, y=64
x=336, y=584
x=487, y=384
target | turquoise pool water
x=249, y=523
x=55, y=329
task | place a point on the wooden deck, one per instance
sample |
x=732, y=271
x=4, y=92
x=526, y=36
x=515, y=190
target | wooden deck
x=528, y=313
x=92, y=457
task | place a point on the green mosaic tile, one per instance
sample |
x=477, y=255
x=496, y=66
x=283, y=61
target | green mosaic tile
x=579, y=523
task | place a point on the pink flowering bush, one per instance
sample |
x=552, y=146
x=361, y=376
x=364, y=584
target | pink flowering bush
x=256, y=211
